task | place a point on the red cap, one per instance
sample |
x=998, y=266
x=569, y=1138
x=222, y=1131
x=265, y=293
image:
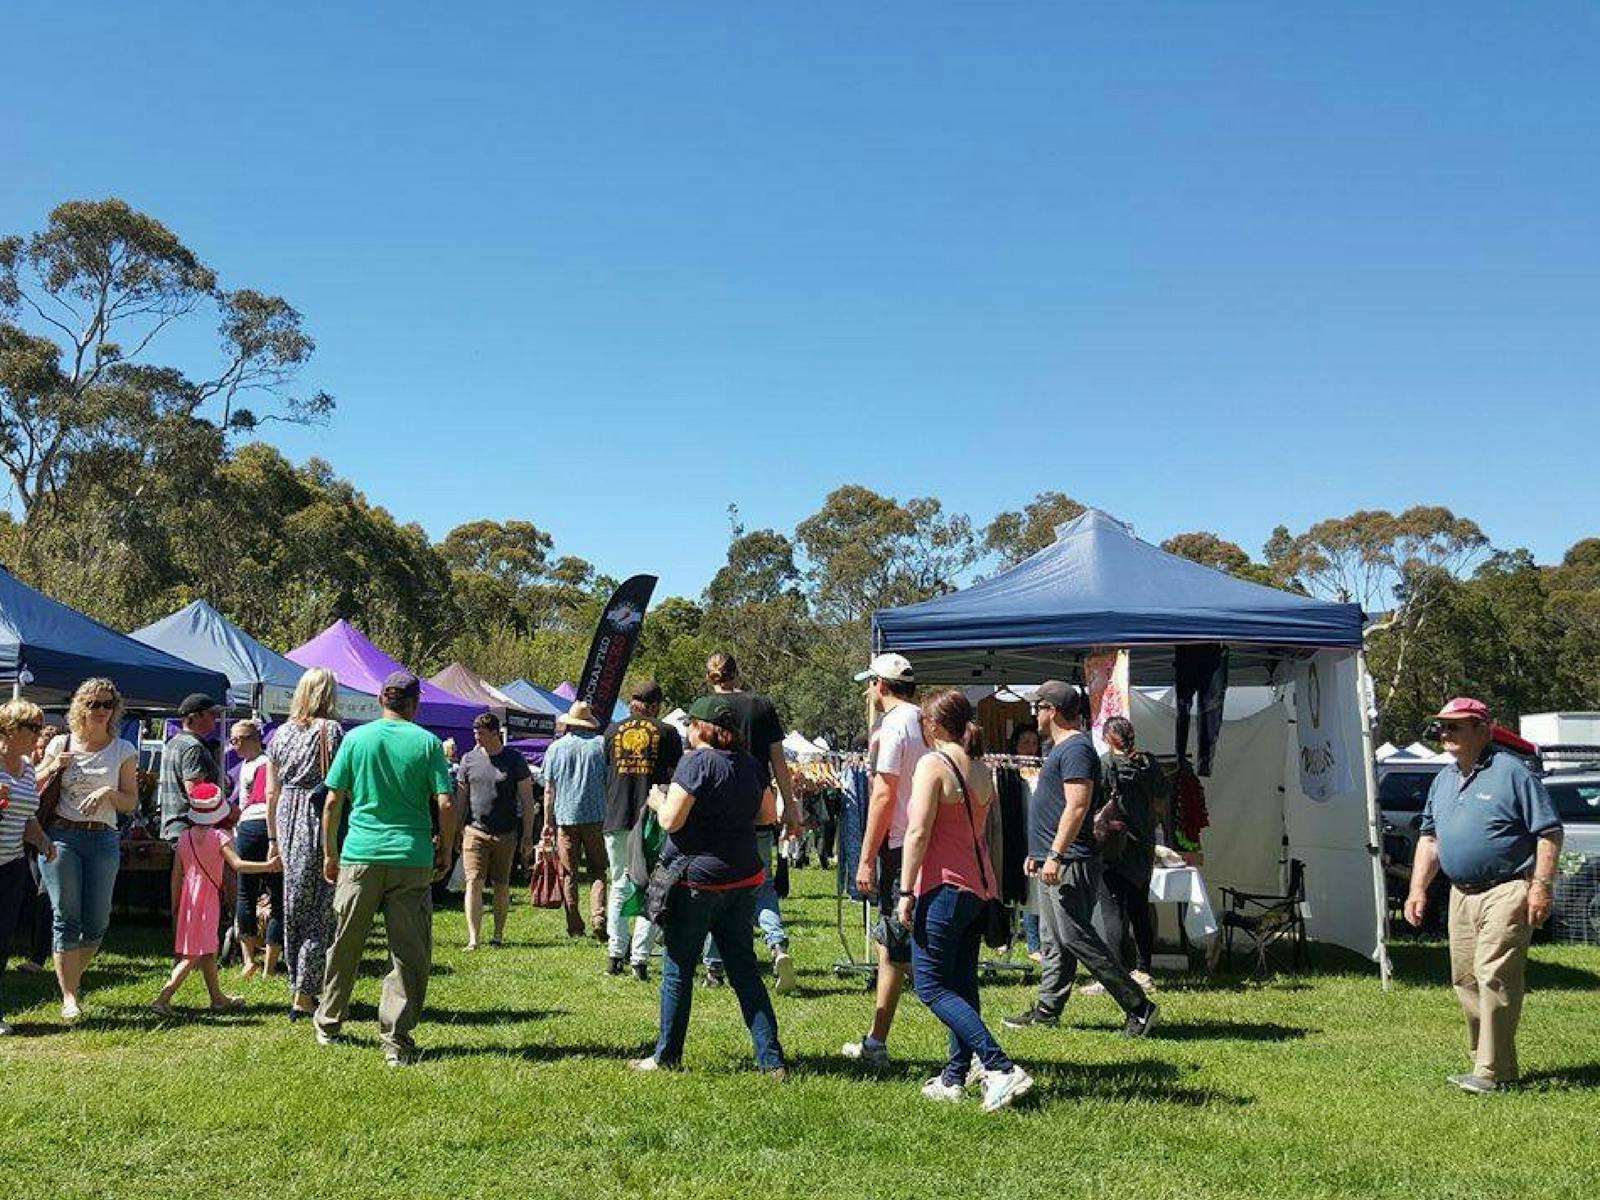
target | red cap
x=1463, y=708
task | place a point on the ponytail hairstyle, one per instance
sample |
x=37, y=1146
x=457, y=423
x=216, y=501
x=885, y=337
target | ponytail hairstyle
x=722, y=668
x=1122, y=729
x=949, y=716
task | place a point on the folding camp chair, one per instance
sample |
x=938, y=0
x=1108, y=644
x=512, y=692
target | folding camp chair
x=1267, y=920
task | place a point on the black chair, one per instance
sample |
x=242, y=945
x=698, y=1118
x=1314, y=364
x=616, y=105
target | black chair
x=1265, y=921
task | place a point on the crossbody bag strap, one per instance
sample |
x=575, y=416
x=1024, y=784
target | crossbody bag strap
x=972, y=820
x=198, y=861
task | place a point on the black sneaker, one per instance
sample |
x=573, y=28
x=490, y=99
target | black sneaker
x=614, y=966
x=1034, y=1016
x=715, y=978
x=1142, y=1021
x=641, y=971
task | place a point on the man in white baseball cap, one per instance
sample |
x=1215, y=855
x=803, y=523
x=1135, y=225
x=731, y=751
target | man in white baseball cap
x=893, y=687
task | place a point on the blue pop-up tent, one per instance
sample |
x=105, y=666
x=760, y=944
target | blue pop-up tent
x=534, y=698
x=258, y=678
x=1099, y=588
x=1098, y=585
x=48, y=649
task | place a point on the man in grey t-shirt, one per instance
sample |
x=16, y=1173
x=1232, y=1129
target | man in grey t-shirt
x=185, y=761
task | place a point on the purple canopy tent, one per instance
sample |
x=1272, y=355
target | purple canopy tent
x=357, y=663
x=462, y=681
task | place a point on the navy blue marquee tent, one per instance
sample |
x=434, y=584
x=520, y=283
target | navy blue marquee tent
x=258, y=678
x=48, y=649
x=1098, y=585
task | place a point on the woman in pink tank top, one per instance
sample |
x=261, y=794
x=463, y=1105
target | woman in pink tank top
x=946, y=885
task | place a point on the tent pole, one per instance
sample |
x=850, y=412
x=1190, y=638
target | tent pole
x=1374, y=817
x=16, y=688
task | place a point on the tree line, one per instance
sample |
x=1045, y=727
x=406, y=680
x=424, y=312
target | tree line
x=138, y=486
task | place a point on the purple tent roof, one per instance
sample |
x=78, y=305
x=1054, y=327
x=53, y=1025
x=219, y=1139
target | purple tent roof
x=567, y=691
x=356, y=662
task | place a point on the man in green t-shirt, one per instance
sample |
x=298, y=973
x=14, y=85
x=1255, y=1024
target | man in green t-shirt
x=393, y=775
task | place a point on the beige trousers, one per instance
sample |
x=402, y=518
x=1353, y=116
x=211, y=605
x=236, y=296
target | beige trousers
x=405, y=897
x=1489, y=935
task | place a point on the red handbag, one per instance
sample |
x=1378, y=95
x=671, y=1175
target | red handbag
x=547, y=888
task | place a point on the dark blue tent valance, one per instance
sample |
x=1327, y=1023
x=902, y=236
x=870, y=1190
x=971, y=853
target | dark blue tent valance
x=1098, y=585
x=51, y=649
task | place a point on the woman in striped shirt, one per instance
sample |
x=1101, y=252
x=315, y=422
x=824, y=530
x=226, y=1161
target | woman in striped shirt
x=20, y=722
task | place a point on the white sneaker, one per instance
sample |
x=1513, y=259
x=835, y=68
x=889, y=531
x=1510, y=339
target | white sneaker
x=977, y=1074
x=783, y=967
x=330, y=1039
x=1144, y=980
x=937, y=1089
x=71, y=1012
x=644, y=1065
x=5, y=1030
x=1092, y=989
x=874, y=1054
x=1002, y=1090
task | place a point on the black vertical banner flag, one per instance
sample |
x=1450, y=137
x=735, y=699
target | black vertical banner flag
x=612, y=648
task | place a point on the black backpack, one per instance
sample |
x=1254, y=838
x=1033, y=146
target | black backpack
x=1110, y=828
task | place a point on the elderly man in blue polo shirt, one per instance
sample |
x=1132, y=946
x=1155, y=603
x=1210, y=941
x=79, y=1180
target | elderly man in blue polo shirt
x=1492, y=827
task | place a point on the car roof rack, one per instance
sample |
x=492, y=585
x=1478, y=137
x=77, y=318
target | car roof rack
x=1571, y=755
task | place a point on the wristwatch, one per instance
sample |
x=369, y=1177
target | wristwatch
x=905, y=895
x=1057, y=857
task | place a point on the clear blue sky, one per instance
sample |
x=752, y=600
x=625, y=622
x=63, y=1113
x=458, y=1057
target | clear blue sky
x=609, y=267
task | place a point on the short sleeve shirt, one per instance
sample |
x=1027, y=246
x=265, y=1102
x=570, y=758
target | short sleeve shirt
x=1488, y=823
x=90, y=771
x=760, y=728
x=491, y=782
x=1072, y=759
x=575, y=767
x=720, y=830
x=640, y=753
x=391, y=771
x=185, y=760
x=900, y=748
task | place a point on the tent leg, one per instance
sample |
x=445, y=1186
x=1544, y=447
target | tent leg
x=1374, y=818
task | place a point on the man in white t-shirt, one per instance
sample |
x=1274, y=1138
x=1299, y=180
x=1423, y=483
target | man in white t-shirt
x=899, y=747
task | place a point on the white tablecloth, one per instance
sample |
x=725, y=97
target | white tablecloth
x=1184, y=885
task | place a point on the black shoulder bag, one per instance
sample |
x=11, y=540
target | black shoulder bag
x=996, y=918
x=1110, y=828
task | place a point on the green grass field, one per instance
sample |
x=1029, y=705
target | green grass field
x=1316, y=1086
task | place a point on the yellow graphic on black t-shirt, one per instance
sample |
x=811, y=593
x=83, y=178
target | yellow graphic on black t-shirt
x=635, y=746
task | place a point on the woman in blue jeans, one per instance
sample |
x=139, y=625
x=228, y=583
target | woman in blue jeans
x=946, y=882
x=710, y=814
x=99, y=780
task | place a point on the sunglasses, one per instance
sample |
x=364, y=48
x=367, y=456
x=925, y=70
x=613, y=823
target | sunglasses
x=101, y=705
x=1042, y=705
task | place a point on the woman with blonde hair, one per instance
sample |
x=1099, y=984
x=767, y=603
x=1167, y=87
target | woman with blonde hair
x=297, y=762
x=99, y=775
x=20, y=722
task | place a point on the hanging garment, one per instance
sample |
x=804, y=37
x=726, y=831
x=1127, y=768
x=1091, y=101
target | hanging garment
x=1010, y=849
x=854, y=785
x=1201, y=671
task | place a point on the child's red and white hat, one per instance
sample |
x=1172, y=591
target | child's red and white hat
x=206, y=805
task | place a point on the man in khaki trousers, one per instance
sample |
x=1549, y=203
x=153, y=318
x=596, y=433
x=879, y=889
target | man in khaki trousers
x=393, y=774
x=1491, y=826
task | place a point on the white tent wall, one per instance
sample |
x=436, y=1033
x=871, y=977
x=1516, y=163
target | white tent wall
x=1254, y=800
x=1244, y=845
x=1331, y=836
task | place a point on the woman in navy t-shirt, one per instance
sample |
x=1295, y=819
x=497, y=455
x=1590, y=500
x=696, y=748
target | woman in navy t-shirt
x=710, y=813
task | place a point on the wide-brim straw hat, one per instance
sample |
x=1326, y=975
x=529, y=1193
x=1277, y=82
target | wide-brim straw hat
x=579, y=716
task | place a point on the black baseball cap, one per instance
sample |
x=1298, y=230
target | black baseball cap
x=195, y=703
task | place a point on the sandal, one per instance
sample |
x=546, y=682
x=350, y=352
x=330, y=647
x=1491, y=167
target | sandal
x=229, y=1004
x=161, y=1008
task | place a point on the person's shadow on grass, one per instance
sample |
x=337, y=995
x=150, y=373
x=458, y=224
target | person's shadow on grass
x=1578, y=1077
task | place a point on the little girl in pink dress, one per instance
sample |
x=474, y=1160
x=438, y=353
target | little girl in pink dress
x=197, y=871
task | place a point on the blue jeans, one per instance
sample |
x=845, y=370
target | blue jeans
x=250, y=840
x=726, y=916
x=767, y=915
x=946, y=935
x=80, y=882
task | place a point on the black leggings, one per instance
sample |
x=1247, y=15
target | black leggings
x=15, y=883
x=1125, y=905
